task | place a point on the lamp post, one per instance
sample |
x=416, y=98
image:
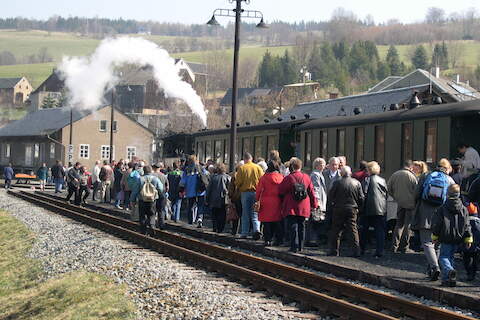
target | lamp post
x=237, y=13
x=111, y=126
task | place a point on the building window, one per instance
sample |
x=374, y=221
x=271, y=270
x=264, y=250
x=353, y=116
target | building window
x=359, y=145
x=323, y=144
x=103, y=125
x=52, y=150
x=7, y=150
x=105, y=152
x=380, y=144
x=407, y=141
x=28, y=155
x=270, y=145
x=431, y=141
x=131, y=152
x=115, y=126
x=84, y=151
x=36, y=148
x=307, y=157
x=258, y=147
x=340, y=142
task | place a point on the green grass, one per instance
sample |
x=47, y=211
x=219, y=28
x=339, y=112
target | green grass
x=35, y=73
x=77, y=295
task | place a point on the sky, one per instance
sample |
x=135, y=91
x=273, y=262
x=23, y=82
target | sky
x=199, y=11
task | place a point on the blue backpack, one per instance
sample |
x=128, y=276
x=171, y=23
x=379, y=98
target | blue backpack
x=435, y=188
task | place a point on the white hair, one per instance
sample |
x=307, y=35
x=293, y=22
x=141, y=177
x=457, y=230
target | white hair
x=317, y=162
x=346, y=171
x=333, y=159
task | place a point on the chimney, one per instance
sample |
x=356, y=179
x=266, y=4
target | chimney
x=332, y=95
x=437, y=72
x=467, y=82
x=458, y=79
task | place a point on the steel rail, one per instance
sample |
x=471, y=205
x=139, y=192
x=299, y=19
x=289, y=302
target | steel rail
x=335, y=287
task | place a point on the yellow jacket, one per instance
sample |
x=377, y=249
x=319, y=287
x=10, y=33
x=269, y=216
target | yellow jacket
x=247, y=177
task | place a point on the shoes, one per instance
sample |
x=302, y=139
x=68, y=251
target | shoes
x=434, y=274
x=452, y=277
x=405, y=250
x=257, y=235
x=200, y=225
x=118, y=207
x=268, y=243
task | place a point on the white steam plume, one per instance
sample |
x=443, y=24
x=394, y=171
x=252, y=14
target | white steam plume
x=87, y=78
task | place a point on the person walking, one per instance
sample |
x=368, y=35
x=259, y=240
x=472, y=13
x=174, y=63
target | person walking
x=96, y=179
x=83, y=191
x=401, y=186
x=298, y=201
x=161, y=203
x=317, y=220
x=451, y=227
x=146, y=193
x=345, y=198
x=58, y=174
x=73, y=183
x=174, y=178
x=246, y=181
x=8, y=174
x=106, y=176
x=431, y=193
x=216, y=197
x=42, y=175
x=269, y=201
x=194, y=188
x=375, y=209
x=118, y=193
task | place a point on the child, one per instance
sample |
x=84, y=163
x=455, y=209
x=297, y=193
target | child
x=472, y=254
x=450, y=226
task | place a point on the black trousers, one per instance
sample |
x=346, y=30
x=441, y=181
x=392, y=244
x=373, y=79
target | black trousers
x=296, y=227
x=83, y=194
x=219, y=216
x=470, y=261
x=160, y=205
x=146, y=213
x=273, y=229
x=73, y=190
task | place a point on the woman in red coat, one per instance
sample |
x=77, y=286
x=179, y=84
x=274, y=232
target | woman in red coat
x=270, y=212
x=296, y=211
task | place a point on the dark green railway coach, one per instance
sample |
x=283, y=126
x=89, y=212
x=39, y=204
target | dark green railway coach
x=428, y=133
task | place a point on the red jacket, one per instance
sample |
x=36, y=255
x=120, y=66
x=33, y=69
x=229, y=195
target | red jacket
x=267, y=193
x=291, y=207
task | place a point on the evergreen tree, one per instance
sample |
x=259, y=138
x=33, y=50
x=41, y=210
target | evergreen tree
x=393, y=62
x=440, y=56
x=266, y=70
x=383, y=70
x=48, y=102
x=419, y=59
x=477, y=72
x=341, y=50
x=289, y=69
x=445, y=61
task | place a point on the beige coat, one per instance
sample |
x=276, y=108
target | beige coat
x=401, y=186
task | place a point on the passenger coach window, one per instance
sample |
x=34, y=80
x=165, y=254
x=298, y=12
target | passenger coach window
x=359, y=145
x=201, y=150
x=247, y=145
x=380, y=145
x=218, y=151
x=340, y=142
x=307, y=157
x=431, y=141
x=323, y=144
x=258, y=146
x=407, y=141
x=270, y=145
x=208, y=150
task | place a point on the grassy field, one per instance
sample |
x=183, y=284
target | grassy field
x=77, y=295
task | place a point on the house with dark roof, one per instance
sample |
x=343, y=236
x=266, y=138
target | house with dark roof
x=14, y=91
x=43, y=136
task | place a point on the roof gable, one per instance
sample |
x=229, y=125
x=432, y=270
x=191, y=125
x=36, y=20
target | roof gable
x=8, y=83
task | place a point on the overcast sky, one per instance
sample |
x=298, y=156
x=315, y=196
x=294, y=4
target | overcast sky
x=199, y=11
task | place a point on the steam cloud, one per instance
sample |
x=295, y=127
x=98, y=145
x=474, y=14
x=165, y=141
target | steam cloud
x=86, y=78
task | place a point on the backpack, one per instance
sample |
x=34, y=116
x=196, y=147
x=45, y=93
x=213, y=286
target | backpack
x=148, y=193
x=435, y=188
x=202, y=181
x=299, y=191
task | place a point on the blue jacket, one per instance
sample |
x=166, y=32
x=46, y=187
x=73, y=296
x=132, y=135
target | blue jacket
x=138, y=187
x=190, y=180
x=42, y=173
x=8, y=173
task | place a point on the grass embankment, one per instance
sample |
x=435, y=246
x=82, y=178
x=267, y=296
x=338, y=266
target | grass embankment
x=77, y=295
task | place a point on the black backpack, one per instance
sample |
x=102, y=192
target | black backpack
x=299, y=191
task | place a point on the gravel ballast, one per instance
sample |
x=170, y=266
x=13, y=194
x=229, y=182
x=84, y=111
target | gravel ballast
x=162, y=288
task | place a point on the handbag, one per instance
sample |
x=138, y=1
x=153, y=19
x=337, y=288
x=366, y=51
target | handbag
x=317, y=215
x=232, y=213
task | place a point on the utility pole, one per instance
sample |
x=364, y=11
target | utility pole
x=111, y=126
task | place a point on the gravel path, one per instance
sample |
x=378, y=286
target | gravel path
x=161, y=287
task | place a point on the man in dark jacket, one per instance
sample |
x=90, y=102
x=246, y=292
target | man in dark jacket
x=451, y=227
x=73, y=182
x=216, y=197
x=58, y=175
x=345, y=198
x=8, y=175
x=375, y=209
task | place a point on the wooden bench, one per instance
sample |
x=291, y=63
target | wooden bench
x=23, y=178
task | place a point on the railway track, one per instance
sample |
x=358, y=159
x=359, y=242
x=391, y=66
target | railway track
x=327, y=295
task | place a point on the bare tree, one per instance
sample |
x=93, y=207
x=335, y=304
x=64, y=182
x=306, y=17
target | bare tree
x=435, y=15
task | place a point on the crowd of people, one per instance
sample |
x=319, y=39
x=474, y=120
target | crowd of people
x=278, y=202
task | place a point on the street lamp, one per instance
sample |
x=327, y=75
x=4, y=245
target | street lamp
x=237, y=13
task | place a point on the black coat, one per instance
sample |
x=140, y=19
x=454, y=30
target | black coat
x=376, y=195
x=450, y=223
x=57, y=172
x=346, y=193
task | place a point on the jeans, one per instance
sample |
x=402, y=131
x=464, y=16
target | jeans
x=192, y=209
x=429, y=249
x=176, y=207
x=401, y=233
x=378, y=223
x=248, y=215
x=58, y=184
x=446, y=259
x=296, y=227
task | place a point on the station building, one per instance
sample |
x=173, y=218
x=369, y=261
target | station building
x=43, y=136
